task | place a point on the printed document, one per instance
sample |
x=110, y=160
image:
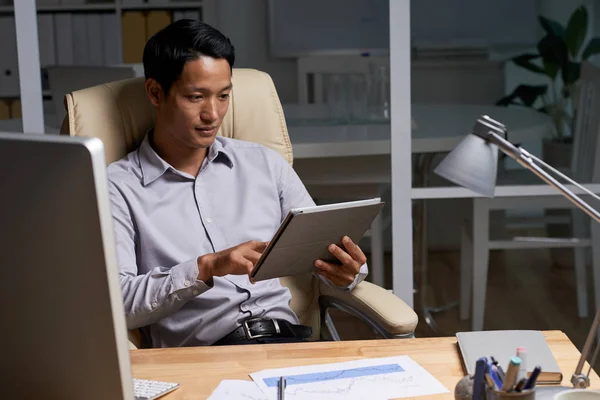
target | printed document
x=373, y=378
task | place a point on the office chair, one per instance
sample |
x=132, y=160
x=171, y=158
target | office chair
x=120, y=114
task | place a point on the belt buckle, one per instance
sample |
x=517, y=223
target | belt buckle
x=250, y=336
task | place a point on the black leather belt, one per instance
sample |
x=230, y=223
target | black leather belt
x=260, y=327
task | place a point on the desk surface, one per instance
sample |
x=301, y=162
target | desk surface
x=439, y=128
x=200, y=369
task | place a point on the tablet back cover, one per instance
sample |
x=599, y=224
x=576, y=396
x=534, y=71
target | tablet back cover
x=307, y=236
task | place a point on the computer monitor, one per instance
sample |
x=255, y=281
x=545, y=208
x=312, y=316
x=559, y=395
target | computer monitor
x=63, y=332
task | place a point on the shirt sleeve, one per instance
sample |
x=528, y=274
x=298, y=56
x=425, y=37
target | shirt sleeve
x=149, y=297
x=293, y=194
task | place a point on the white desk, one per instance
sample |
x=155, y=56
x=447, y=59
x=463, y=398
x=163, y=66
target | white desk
x=439, y=127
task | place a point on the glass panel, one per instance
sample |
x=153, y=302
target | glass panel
x=517, y=62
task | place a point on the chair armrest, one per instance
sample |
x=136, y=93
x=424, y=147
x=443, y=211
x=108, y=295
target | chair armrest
x=135, y=339
x=381, y=309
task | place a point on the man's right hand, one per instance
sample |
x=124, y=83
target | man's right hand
x=238, y=260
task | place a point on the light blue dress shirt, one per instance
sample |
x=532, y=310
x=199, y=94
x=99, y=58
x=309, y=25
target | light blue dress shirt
x=165, y=219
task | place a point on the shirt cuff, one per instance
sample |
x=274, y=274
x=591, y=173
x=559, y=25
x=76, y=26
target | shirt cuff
x=185, y=278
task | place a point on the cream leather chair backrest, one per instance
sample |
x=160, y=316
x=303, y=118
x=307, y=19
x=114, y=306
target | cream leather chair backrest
x=119, y=113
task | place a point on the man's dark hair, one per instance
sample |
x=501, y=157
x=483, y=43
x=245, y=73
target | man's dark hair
x=167, y=51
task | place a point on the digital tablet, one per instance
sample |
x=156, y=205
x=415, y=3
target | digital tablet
x=305, y=234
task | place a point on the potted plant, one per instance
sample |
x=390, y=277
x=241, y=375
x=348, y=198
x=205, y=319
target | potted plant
x=559, y=56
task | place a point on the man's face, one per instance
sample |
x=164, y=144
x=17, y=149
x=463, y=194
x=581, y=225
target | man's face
x=197, y=102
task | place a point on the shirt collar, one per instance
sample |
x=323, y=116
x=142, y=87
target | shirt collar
x=153, y=166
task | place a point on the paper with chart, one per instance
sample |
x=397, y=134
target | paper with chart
x=373, y=378
x=237, y=390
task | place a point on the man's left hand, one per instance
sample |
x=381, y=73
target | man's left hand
x=351, y=257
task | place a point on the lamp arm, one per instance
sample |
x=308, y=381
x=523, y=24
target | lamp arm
x=528, y=161
x=560, y=174
x=525, y=159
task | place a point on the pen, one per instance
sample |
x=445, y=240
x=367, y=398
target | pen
x=490, y=381
x=500, y=372
x=494, y=376
x=511, y=374
x=521, y=385
x=532, y=378
x=498, y=369
x=281, y=391
x=522, y=354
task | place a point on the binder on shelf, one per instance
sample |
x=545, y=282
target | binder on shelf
x=9, y=66
x=177, y=15
x=4, y=110
x=80, y=39
x=94, y=39
x=110, y=39
x=63, y=24
x=155, y=21
x=46, y=39
x=133, y=33
x=192, y=14
x=15, y=109
x=40, y=3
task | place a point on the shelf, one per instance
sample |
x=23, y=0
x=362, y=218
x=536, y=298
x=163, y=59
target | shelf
x=66, y=8
x=180, y=5
x=14, y=96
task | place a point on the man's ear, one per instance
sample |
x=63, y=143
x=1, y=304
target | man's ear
x=154, y=92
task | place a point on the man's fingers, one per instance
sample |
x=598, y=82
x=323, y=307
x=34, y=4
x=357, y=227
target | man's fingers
x=253, y=256
x=340, y=254
x=258, y=246
x=354, y=250
x=334, y=270
x=327, y=267
x=339, y=280
x=249, y=265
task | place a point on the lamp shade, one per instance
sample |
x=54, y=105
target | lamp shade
x=472, y=164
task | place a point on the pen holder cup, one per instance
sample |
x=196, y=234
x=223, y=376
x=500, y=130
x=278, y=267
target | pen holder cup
x=496, y=395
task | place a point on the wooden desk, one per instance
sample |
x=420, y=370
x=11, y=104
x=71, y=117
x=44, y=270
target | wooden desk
x=200, y=369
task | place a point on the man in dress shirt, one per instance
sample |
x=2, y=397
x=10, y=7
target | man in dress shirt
x=193, y=212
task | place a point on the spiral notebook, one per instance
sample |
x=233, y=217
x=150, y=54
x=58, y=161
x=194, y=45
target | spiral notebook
x=502, y=345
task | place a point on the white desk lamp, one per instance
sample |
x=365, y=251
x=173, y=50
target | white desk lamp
x=473, y=164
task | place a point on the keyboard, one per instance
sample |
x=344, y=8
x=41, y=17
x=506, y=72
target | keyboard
x=144, y=389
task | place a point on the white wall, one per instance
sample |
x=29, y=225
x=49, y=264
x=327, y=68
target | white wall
x=246, y=24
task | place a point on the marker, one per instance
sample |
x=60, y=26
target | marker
x=521, y=385
x=533, y=378
x=511, y=374
x=522, y=354
x=480, y=368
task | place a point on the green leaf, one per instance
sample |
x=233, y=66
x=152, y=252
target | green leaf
x=576, y=30
x=552, y=28
x=551, y=69
x=570, y=72
x=506, y=100
x=553, y=50
x=593, y=47
x=524, y=61
x=528, y=94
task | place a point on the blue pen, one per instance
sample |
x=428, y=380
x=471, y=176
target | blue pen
x=494, y=376
x=480, y=369
x=533, y=378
